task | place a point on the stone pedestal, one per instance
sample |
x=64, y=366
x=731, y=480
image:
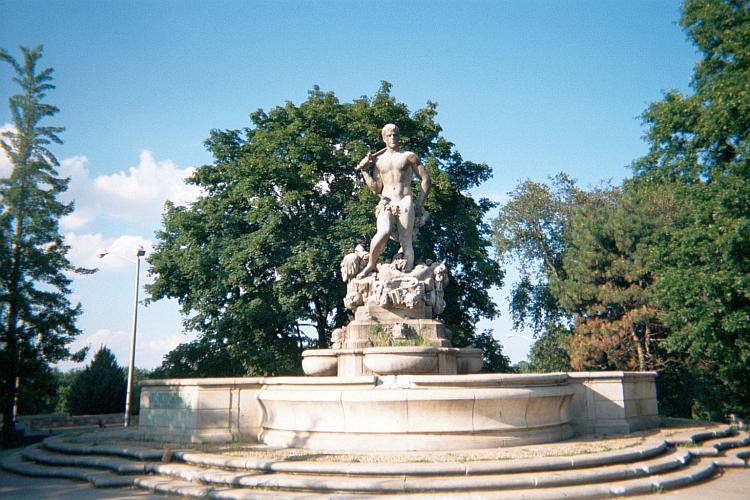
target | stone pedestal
x=371, y=319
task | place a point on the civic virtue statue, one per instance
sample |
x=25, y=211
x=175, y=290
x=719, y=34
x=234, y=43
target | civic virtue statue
x=398, y=216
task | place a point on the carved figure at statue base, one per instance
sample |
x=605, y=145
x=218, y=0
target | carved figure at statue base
x=389, y=286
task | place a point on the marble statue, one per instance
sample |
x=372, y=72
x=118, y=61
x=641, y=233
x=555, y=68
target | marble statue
x=398, y=215
x=399, y=284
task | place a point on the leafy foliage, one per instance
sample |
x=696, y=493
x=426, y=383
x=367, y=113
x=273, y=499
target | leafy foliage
x=529, y=231
x=656, y=274
x=37, y=320
x=492, y=353
x=100, y=387
x=256, y=258
x=550, y=352
x=700, y=152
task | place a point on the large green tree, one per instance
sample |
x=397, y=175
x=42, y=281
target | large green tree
x=37, y=320
x=529, y=231
x=700, y=151
x=256, y=258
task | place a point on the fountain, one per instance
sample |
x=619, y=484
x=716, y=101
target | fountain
x=392, y=380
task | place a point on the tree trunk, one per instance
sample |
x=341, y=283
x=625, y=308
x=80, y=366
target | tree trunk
x=647, y=345
x=10, y=372
x=639, y=349
x=321, y=325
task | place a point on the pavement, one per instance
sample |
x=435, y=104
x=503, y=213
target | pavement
x=17, y=487
x=733, y=484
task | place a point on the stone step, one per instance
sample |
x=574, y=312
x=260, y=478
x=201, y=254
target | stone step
x=652, y=484
x=61, y=445
x=737, y=457
x=99, y=478
x=115, y=464
x=716, y=446
x=646, y=468
x=626, y=455
x=401, y=484
x=694, y=472
x=692, y=437
x=191, y=490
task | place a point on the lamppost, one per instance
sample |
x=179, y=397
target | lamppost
x=139, y=252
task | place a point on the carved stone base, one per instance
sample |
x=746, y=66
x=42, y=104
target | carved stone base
x=360, y=334
x=373, y=323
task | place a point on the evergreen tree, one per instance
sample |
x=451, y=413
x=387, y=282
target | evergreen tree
x=100, y=388
x=608, y=284
x=37, y=320
x=257, y=256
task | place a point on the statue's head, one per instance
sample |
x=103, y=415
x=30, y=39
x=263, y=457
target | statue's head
x=390, y=134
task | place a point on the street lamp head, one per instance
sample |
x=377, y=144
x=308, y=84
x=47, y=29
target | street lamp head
x=102, y=253
x=139, y=251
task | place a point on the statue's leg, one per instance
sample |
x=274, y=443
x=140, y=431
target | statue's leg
x=378, y=242
x=405, y=225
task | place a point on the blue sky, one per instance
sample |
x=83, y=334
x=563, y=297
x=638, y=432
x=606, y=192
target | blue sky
x=530, y=87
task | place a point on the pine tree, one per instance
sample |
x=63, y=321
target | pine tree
x=99, y=388
x=37, y=320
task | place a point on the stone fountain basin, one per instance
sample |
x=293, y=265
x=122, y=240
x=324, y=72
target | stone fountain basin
x=398, y=412
x=320, y=362
x=469, y=360
x=411, y=360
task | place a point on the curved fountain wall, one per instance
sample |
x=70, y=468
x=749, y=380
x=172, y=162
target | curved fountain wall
x=397, y=413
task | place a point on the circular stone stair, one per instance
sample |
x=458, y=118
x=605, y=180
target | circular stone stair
x=647, y=464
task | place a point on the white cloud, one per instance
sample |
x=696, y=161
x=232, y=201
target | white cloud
x=149, y=351
x=118, y=341
x=6, y=167
x=136, y=195
x=84, y=248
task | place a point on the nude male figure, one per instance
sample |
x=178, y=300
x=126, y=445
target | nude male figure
x=396, y=211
